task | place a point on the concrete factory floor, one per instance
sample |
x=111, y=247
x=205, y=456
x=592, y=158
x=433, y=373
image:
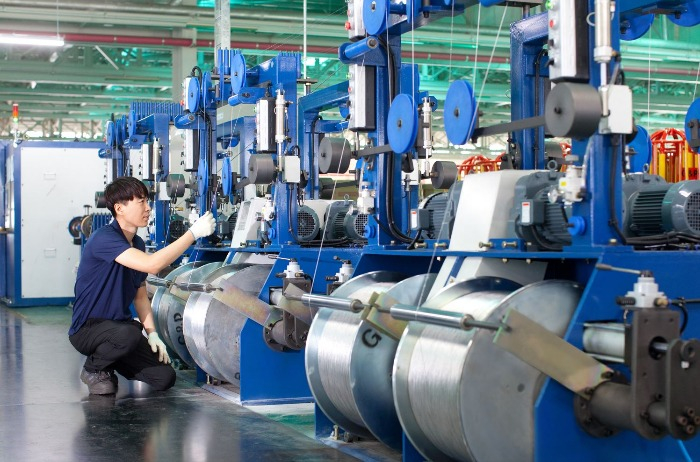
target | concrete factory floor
x=47, y=415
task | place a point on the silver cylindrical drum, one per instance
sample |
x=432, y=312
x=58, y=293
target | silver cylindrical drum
x=168, y=306
x=349, y=361
x=213, y=329
x=457, y=394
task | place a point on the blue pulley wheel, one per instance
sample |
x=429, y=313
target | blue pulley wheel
x=692, y=116
x=226, y=177
x=402, y=124
x=642, y=147
x=202, y=177
x=207, y=90
x=237, y=73
x=375, y=15
x=110, y=135
x=460, y=112
x=690, y=17
x=632, y=29
x=193, y=95
x=131, y=127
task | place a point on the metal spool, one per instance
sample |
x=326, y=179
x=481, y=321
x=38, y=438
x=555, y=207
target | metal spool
x=443, y=174
x=348, y=368
x=175, y=185
x=213, y=329
x=100, y=201
x=334, y=155
x=573, y=110
x=459, y=396
x=169, y=304
x=261, y=169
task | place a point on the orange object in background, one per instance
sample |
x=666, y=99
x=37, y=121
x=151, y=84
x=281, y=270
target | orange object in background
x=479, y=164
x=671, y=158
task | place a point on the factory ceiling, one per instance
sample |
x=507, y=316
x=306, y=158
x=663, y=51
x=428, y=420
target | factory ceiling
x=122, y=51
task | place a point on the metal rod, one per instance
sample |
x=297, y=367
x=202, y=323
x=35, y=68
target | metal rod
x=324, y=301
x=160, y=282
x=606, y=267
x=427, y=315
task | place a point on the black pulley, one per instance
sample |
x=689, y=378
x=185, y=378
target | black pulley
x=573, y=110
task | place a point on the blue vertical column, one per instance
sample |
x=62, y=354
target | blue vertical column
x=527, y=40
x=602, y=177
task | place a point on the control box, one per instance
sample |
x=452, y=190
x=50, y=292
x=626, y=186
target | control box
x=568, y=41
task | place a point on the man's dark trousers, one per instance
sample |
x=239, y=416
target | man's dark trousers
x=121, y=346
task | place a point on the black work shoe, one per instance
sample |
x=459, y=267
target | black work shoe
x=99, y=383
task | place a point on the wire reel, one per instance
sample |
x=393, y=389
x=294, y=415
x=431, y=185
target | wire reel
x=226, y=177
x=642, y=146
x=193, y=93
x=460, y=112
x=238, y=73
x=693, y=114
x=402, y=124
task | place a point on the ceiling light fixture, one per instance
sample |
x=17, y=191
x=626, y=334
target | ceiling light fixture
x=15, y=39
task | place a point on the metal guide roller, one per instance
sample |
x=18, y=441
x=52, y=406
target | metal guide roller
x=334, y=155
x=213, y=322
x=349, y=361
x=168, y=305
x=456, y=393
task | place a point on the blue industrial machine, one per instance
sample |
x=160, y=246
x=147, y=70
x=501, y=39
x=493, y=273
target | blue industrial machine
x=552, y=322
x=557, y=323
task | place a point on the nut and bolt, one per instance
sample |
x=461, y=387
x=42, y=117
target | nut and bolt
x=487, y=245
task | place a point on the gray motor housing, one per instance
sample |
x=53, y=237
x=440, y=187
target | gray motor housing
x=345, y=222
x=308, y=224
x=437, y=213
x=541, y=224
x=659, y=208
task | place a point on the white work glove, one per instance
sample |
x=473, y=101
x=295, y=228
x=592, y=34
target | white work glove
x=157, y=346
x=203, y=226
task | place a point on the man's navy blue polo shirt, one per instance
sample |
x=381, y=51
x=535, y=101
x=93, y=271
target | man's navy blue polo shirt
x=104, y=289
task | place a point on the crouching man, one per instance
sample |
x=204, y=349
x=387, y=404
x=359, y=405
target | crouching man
x=112, y=275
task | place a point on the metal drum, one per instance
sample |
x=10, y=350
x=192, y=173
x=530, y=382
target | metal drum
x=213, y=328
x=168, y=305
x=459, y=396
x=349, y=362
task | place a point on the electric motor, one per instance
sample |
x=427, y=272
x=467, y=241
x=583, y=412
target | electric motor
x=661, y=208
x=542, y=224
x=176, y=228
x=308, y=224
x=345, y=222
x=437, y=213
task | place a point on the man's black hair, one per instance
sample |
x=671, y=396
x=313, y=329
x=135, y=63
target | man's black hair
x=122, y=190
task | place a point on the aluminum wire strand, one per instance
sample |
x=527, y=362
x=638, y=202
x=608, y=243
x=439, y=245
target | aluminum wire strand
x=335, y=353
x=436, y=375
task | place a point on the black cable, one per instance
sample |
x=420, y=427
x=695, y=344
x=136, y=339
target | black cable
x=611, y=193
x=536, y=145
x=393, y=230
x=682, y=304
